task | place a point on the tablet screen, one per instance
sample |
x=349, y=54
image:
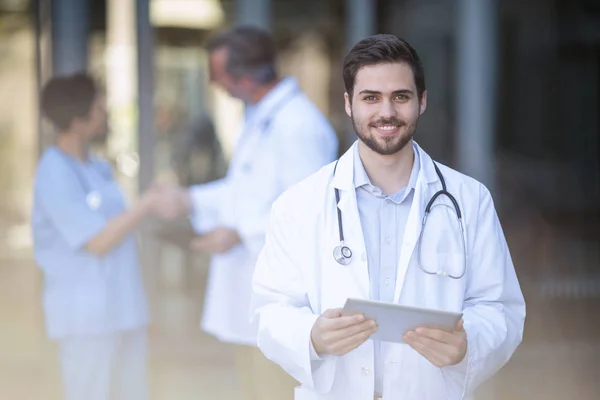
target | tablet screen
x=395, y=320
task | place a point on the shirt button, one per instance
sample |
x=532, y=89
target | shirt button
x=364, y=257
x=366, y=371
x=388, y=239
x=388, y=281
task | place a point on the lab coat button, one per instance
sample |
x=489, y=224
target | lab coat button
x=366, y=371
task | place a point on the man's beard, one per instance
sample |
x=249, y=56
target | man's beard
x=391, y=145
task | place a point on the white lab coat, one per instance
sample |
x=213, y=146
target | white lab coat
x=286, y=139
x=296, y=279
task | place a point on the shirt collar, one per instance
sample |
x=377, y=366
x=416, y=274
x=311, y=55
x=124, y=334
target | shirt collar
x=361, y=179
x=360, y=175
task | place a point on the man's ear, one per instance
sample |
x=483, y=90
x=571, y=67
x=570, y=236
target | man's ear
x=423, y=104
x=348, y=104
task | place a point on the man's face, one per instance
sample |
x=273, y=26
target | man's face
x=219, y=75
x=95, y=125
x=385, y=107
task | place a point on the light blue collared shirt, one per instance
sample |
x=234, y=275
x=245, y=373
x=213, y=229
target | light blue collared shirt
x=383, y=219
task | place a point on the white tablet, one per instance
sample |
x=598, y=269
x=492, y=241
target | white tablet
x=394, y=320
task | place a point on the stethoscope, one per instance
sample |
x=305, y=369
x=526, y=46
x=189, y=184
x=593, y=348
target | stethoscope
x=343, y=255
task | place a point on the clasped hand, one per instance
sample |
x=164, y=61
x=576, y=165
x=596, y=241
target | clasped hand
x=441, y=348
x=334, y=334
x=167, y=201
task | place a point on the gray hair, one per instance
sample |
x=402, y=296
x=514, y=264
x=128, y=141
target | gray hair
x=250, y=52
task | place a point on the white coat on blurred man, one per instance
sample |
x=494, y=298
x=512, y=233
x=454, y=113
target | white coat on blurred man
x=284, y=139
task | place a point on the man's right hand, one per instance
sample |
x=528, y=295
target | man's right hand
x=337, y=335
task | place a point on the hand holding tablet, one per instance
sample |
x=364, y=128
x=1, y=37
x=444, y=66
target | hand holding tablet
x=437, y=335
x=395, y=320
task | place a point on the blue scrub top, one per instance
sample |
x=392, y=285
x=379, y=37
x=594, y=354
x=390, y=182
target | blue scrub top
x=83, y=294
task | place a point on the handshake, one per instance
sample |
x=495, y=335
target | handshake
x=169, y=202
x=166, y=201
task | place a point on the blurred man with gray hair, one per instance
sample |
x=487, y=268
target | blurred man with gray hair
x=284, y=138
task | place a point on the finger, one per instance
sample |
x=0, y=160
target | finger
x=220, y=248
x=435, y=351
x=436, y=334
x=332, y=313
x=344, y=321
x=460, y=327
x=435, y=345
x=349, y=331
x=350, y=343
x=451, y=338
x=201, y=244
x=425, y=351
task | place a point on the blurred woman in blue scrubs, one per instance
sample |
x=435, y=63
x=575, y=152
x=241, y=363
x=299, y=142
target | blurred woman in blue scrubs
x=94, y=301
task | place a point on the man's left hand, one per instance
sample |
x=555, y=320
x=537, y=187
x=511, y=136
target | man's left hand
x=219, y=240
x=441, y=348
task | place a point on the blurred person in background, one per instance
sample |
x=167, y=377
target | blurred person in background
x=284, y=138
x=94, y=300
x=356, y=228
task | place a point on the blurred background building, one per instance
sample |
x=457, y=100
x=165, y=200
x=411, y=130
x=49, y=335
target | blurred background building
x=514, y=94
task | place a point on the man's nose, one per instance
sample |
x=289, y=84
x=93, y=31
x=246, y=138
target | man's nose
x=387, y=109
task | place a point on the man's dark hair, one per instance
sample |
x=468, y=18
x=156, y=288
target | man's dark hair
x=66, y=98
x=250, y=52
x=382, y=49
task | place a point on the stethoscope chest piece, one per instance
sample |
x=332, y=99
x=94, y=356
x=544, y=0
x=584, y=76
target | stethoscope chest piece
x=94, y=200
x=342, y=254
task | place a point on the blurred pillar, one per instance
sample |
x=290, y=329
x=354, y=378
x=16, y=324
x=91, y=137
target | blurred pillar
x=43, y=67
x=477, y=70
x=121, y=87
x=254, y=12
x=70, y=31
x=360, y=23
x=146, y=136
x=145, y=66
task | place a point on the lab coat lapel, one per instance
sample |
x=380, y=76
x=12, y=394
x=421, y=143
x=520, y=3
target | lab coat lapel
x=423, y=191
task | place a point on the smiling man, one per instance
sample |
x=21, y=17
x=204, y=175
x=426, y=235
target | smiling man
x=356, y=228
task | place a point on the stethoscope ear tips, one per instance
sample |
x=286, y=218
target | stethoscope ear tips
x=342, y=254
